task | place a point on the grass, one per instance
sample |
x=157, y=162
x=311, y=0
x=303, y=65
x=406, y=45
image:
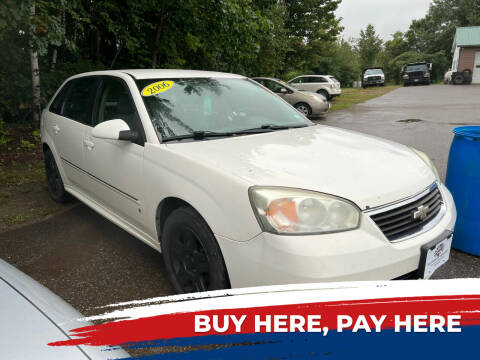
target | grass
x=353, y=96
x=23, y=192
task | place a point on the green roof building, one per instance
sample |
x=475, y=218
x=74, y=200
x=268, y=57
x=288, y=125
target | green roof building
x=466, y=51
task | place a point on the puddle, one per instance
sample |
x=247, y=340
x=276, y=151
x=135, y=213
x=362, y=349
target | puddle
x=409, y=120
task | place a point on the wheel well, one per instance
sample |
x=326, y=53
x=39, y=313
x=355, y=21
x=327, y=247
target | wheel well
x=165, y=208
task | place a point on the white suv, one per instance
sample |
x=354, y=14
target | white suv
x=237, y=188
x=326, y=85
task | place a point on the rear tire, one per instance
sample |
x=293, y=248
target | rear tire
x=325, y=94
x=54, y=180
x=458, y=79
x=191, y=253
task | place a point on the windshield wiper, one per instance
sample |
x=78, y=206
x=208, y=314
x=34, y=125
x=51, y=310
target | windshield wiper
x=281, y=127
x=200, y=135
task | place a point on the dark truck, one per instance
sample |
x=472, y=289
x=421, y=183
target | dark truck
x=416, y=73
x=373, y=77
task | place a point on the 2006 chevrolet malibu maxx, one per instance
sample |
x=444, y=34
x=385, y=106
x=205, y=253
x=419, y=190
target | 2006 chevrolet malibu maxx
x=237, y=188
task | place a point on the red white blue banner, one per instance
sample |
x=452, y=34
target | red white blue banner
x=394, y=320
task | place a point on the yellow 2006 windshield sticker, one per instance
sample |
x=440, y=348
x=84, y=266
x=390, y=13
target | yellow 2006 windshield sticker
x=157, y=88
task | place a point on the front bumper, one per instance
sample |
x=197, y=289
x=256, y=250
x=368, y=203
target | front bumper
x=373, y=82
x=335, y=92
x=361, y=254
x=320, y=108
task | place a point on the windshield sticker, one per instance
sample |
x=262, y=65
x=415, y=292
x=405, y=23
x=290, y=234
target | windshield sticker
x=157, y=88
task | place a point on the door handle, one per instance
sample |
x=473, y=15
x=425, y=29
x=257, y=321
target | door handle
x=56, y=129
x=89, y=144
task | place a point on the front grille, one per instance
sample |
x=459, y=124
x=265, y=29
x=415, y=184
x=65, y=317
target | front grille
x=416, y=74
x=400, y=222
x=374, y=78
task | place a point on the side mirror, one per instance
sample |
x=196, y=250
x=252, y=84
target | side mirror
x=114, y=130
x=430, y=66
x=283, y=90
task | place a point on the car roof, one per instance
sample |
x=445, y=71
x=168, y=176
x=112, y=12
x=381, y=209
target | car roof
x=266, y=78
x=140, y=74
x=315, y=75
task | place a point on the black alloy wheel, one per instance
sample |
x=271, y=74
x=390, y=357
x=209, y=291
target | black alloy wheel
x=192, y=256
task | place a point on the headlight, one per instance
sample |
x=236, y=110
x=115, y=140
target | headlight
x=429, y=163
x=427, y=75
x=405, y=77
x=294, y=211
x=318, y=98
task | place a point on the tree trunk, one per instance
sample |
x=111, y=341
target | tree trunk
x=156, y=45
x=119, y=48
x=54, y=59
x=98, y=41
x=35, y=69
x=158, y=34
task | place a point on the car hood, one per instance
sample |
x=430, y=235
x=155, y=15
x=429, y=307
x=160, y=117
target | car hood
x=364, y=169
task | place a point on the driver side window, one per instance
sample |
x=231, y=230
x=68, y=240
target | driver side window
x=115, y=103
x=273, y=86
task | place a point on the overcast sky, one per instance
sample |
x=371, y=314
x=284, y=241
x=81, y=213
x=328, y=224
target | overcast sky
x=387, y=16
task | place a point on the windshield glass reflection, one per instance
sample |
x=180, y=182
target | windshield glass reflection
x=186, y=106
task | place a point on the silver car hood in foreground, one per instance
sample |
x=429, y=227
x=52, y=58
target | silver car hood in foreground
x=31, y=317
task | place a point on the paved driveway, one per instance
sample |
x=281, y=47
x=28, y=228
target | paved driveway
x=90, y=262
x=422, y=117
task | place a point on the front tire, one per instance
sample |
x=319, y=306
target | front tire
x=54, y=180
x=191, y=253
x=304, y=108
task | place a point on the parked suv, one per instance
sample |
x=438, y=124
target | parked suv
x=237, y=188
x=326, y=85
x=416, y=73
x=373, y=77
x=308, y=103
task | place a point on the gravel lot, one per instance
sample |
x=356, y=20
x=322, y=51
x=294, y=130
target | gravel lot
x=90, y=262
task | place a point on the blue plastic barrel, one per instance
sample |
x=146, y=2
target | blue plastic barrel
x=463, y=180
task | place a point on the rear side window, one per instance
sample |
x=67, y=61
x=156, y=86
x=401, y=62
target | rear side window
x=57, y=104
x=317, y=79
x=78, y=104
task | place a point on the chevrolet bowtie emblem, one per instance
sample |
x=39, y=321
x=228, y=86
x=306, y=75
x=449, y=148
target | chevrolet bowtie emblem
x=421, y=212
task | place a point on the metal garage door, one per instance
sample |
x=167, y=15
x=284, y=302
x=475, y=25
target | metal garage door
x=476, y=69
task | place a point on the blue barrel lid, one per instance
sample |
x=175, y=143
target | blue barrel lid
x=468, y=131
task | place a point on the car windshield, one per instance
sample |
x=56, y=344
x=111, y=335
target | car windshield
x=181, y=107
x=374, y=72
x=417, y=67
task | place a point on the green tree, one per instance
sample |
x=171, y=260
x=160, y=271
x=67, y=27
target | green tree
x=311, y=25
x=393, y=48
x=369, y=46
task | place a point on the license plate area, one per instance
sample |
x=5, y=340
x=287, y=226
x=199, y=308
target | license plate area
x=434, y=255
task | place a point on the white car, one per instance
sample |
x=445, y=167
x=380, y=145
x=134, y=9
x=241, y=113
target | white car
x=32, y=317
x=447, y=77
x=237, y=188
x=326, y=85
